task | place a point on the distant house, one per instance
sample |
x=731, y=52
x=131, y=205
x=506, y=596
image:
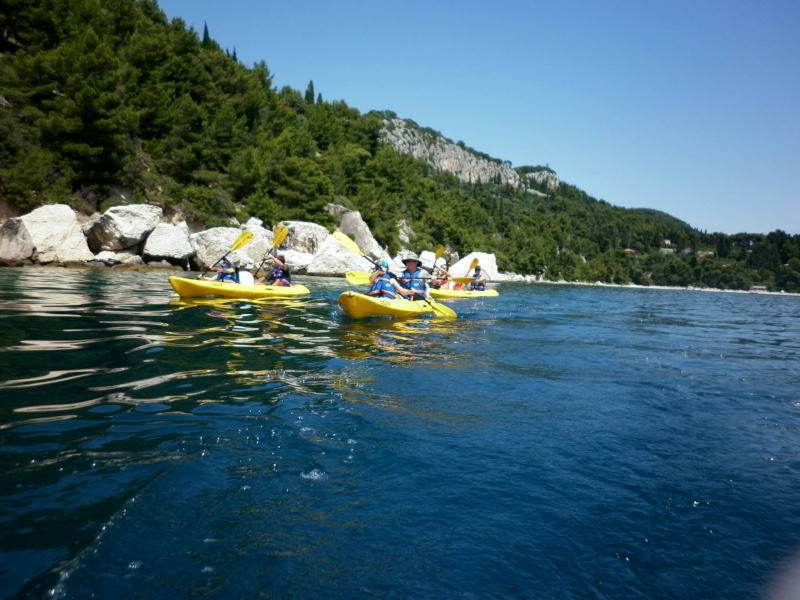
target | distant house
x=666, y=243
x=705, y=253
x=667, y=250
x=629, y=251
x=758, y=288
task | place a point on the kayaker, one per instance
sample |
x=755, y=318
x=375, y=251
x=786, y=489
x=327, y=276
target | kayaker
x=478, y=283
x=441, y=278
x=280, y=272
x=227, y=272
x=412, y=278
x=384, y=283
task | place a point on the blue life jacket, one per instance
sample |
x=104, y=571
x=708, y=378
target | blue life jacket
x=383, y=287
x=475, y=285
x=277, y=274
x=414, y=281
x=228, y=273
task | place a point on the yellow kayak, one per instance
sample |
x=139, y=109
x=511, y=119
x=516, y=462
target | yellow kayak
x=195, y=288
x=444, y=294
x=359, y=306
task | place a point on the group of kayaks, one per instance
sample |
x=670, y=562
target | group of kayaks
x=355, y=304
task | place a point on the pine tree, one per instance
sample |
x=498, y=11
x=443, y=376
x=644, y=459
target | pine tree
x=310, y=92
x=206, y=37
x=319, y=98
x=233, y=55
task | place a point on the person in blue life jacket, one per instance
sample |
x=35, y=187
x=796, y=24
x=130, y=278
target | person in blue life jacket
x=478, y=283
x=280, y=274
x=412, y=278
x=384, y=284
x=227, y=271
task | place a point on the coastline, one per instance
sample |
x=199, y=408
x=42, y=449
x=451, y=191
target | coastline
x=527, y=281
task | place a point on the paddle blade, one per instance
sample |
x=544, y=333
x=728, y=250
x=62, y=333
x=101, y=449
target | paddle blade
x=347, y=243
x=357, y=277
x=438, y=253
x=279, y=236
x=461, y=280
x=472, y=265
x=244, y=238
x=442, y=310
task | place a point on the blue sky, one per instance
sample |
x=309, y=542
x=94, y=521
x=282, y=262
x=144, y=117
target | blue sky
x=692, y=108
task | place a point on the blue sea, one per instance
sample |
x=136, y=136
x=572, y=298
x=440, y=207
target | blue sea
x=554, y=442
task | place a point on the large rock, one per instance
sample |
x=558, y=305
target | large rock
x=304, y=236
x=49, y=234
x=169, y=242
x=336, y=210
x=122, y=227
x=110, y=258
x=16, y=243
x=354, y=226
x=488, y=264
x=211, y=244
x=426, y=256
x=334, y=259
x=297, y=261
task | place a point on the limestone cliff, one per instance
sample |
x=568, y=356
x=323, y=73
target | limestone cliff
x=455, y=157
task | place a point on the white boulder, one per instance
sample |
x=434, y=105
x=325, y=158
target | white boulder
x=211, y=244
x=168, y=242
x=426, y=256
x=488, y=264
x=334, y=259
x=48, y=234
x=296, y=261
x=304, y=236
x=122, y=227
x=356, y=228
x=16, y=244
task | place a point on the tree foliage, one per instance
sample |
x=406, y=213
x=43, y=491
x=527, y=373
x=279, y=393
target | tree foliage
x=109, y=98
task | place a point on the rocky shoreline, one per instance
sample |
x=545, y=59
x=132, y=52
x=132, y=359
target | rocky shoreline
x=138, y=236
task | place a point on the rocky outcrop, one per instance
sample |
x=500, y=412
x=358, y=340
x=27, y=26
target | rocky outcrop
x=168, y=242
x=405, y=233
x=49, y=234
x=444, y=155
x=304, y=236
x=336, y=211
x=488, y=264
x=122, y=227
x=356, y=228
x=544, y=177
x=334, y=259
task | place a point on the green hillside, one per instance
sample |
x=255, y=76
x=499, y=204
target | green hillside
x=107, y=102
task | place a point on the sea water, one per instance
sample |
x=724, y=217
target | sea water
x=555, y=442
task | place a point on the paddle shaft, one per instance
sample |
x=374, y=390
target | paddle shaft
x=219, y=260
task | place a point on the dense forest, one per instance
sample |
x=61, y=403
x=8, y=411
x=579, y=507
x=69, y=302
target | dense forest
x=109, y=102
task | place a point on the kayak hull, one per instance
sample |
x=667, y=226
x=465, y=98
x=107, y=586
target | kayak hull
x=445, y=294
x=361, y=306
x=198, y=288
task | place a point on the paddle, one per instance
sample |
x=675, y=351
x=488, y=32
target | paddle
x=439, y=309
x=357, y=277
x=467, y=278
x=241, y=241
x=277, y=240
